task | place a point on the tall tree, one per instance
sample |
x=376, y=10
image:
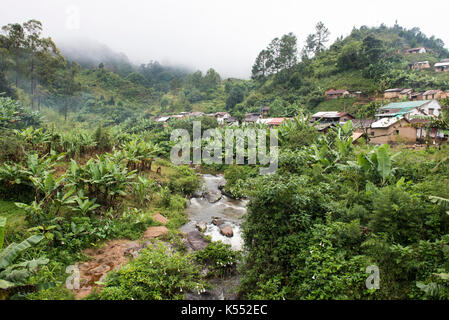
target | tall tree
x=309, y=48
x=262, y=65
x=38, y=49
x=288, y=51
x=321, y=37
x=316, y=42
x=280, y=54
x=16, y=39
x=211, y=80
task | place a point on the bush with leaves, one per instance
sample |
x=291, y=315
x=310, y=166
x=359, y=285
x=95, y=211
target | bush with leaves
x=157, y=274
x=14, y=116
x=220, y=258
x=12, y=272
x=102, y=179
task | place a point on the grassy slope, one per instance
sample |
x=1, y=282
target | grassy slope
x=15, y=219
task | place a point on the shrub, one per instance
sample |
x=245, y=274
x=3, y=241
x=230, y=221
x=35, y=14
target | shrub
x=219, y=257
x=157, y=274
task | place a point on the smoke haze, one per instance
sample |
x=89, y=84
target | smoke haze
x=200, y=34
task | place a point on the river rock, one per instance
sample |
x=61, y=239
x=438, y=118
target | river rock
x=221, y=185
x=217, y=221
x=213, y=196
x=196, y=241
x=160, y=218
x=201, y=226
x=154, y=232
x=198, y=194
x=227, y=231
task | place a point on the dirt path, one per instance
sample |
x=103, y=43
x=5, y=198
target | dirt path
x=112, y=256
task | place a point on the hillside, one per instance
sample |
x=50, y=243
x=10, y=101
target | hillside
x=369, y=60
x=104, y=85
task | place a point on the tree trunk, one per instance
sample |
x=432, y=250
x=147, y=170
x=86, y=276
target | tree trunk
x=17, y=68
x=32, y=82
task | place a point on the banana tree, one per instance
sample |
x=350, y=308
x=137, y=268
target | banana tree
x=15, y=274
x=84, y=204
x=378, y=164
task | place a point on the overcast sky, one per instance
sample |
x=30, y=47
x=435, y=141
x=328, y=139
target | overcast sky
x=226, y=35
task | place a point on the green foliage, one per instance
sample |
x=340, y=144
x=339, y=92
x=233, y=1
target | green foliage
x=157, y=274
x=14, y=116
x=219, y=257
x=13, y=274
x=183, y=181
x=236, y=176
x=102, y=179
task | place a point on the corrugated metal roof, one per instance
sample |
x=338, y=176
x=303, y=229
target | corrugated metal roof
x=385, y=122
x=276, y=121
x=356, y=136
x=442, y=64
x=264, y=121
x=431, y=92
x=328, y=114
x=403, y=105
x=336, y=92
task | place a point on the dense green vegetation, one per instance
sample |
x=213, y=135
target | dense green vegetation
x=333, y=209
x=284, y=77
x=63, y=203
x=82, y=162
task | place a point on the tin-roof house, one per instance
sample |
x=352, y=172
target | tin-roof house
x=442, y=66
x=416, y=50
x=252, y=117
x=334, y=94
x=331, y=117
x=409, y=109
x=421, y=65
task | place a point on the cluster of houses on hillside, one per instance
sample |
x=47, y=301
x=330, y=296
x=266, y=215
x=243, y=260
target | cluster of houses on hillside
x=441, y=66
x=397, y=121
x=405, y=121
x=224, y=118
x=335, y=94
x=410, y=94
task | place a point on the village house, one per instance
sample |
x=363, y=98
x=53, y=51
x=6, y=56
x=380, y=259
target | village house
x=445, y=95
x=416, y=50
x=177, y=116
x=416, y=96
x=355, y=94
x=391, y=130
x=275, y=122
x=405, y=94
x=272, y=122
x=410, y=109
x=432, y=94
x=162, y=119
x=421, y=126
x=331, y=117
x=222, y=116
x=323, y=127
x=196, y=114
x=442, y=66
x=334, y=94
x=398, y=93
x=265, y=111
x=231, y=121
x=421, y=65
x=251, y=117
x=393, y=93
